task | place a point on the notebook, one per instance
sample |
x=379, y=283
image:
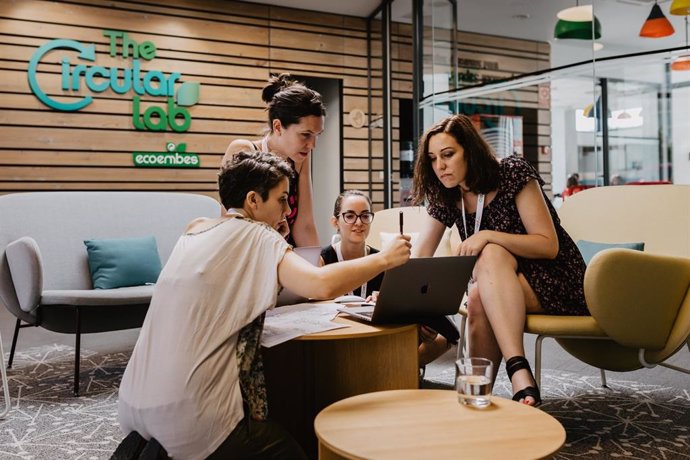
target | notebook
x=423, y=291
x=311, y=254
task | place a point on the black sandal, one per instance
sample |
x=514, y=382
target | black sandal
x=515, y=364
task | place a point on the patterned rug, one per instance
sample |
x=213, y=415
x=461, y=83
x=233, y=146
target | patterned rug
x=630, y=420
x=47, y=421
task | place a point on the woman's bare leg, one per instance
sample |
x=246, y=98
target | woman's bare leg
x=429, y=351
x=504, y=303
x=481, y=341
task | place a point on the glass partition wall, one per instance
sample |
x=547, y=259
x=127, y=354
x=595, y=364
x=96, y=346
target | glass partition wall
x=607, y=99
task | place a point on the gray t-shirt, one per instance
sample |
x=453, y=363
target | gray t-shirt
x=181, y=385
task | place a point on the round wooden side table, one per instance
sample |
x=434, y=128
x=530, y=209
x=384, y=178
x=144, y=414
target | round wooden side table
x=418, y=424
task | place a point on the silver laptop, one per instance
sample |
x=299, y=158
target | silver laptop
x=422, y=289
x=311, y=254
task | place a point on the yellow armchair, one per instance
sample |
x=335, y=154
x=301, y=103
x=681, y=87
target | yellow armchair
x=640, y=306
x=641, y=303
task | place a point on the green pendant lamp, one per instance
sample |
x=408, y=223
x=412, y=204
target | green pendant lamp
x=656, y=25
x=577, y=23
x=580, y=30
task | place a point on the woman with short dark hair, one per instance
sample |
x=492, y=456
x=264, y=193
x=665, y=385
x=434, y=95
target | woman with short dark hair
x=195, y=380
x=295, y=120
x=526, y=262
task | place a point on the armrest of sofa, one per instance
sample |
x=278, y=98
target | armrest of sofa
x=635, y=297
x=26, y=269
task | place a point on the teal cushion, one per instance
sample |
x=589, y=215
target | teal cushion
x=589, y=248
x=123, y=262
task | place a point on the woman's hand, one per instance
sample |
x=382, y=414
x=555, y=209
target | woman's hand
x=373, y=297
x=397, y=253
x=473, y=245
x=283, y=228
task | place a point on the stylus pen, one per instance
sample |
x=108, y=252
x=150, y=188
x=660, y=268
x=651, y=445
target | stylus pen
x=401, y=222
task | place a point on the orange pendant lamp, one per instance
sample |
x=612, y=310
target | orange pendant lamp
x=682, y=62
x=656, y=25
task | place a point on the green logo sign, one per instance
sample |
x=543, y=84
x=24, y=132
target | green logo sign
x=175, y=157
x=172, y=115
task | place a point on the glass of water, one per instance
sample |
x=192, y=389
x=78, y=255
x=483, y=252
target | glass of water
x=474, y=381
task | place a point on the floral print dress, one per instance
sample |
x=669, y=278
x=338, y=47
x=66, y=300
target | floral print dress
x=558, y=283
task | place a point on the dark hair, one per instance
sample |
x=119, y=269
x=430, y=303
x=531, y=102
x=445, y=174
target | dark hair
x=288, y=100
x=346, y=193
x=483, y=169
x=572, y=181
x=250, y=171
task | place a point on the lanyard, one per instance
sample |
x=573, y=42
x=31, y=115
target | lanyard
x=339, y=253
x=478, y=217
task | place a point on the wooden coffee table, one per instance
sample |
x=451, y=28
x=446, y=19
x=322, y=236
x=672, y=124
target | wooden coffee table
x=307, y=374
x=419, y=424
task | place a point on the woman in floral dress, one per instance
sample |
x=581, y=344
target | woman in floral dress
x=527, y=263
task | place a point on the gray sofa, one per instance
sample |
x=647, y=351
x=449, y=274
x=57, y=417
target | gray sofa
x=49, y=283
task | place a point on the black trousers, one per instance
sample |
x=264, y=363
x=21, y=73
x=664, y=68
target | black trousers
x=258, y=440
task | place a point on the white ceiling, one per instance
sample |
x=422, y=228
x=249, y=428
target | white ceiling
x=528, y=19
x=621, y=21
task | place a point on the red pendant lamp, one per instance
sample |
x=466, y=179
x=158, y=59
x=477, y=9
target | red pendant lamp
x=656, y=25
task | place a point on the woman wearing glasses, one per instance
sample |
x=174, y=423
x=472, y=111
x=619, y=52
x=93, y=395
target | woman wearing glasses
x=295, y=119
x=352, y=217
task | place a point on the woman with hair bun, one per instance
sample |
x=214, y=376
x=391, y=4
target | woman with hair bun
x=295, y=118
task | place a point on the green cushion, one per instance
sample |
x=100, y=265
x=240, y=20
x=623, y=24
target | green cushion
x=123, y=262
x=589, y=248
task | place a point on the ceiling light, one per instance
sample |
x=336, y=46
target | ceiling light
x=597, y=46
x=681, y=63
x=581, y=30
x=656, y=25
x=582, y=13
x=680, y=7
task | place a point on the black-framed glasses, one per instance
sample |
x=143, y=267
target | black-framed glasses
x=350, y=217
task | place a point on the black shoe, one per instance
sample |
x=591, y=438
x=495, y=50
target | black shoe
x=130, y=448
x=515, y=364
x=153, y=451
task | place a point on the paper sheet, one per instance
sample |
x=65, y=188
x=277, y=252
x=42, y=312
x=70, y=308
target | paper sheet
x=286, y=323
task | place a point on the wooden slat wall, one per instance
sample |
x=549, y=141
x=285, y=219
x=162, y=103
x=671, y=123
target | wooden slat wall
x=230, y=48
